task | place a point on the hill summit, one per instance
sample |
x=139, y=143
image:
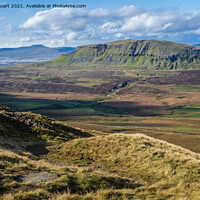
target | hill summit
x=141, y=54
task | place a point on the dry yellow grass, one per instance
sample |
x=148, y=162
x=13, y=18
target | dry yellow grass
x=167, y=171
x=162, y=170
x=117, y=166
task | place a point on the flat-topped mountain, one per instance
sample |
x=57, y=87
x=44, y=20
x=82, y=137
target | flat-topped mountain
x=31, y=54
x=141, y=54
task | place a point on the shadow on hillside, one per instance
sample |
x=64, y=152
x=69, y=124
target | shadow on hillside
x=20, y=133
x=35, y=132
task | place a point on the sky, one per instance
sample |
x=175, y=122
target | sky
x=98, y=22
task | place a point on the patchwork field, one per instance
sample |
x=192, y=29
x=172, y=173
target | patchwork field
x=161, y=104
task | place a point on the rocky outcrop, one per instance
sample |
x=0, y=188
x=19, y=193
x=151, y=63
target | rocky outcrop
x=34, y=132
x=143, y=54
x=27, y=118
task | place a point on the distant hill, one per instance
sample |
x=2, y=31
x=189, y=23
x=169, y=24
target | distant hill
x=31, y=54
x=135, y=54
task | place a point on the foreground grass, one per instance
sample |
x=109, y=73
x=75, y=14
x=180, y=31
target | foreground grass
x=167, y=171
x=77, y=166
x=33, y=132
x=22, y=157
x=105, y=167
x=75, y=181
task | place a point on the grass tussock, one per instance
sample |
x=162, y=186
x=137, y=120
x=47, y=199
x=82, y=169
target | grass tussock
x=82, y=183
x=164, y=169
x=75, y=180
x=38, y=194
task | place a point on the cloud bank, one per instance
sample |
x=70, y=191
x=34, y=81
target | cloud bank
x=59, y=27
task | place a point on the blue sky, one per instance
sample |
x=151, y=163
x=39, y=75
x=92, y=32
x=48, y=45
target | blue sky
x=100, y=21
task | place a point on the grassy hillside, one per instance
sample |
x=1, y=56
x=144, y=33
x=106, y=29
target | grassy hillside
x=33, y=132
x=165, y=171
x=131, y=54
x=77, y=166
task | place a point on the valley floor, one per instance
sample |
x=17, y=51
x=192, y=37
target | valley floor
x=161, y=104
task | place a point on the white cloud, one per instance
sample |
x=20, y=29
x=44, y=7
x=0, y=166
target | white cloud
x=57, y=42
x=25, y=39
x=72, y=36
x=118, y=35
x=79, y=26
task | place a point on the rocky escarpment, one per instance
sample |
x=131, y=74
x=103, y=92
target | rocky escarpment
x=29, y=119
x=142, y=54
x=33, y=132
x=37, y=122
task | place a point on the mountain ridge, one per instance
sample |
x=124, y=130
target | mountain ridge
x=136, y=54
x=31, y=54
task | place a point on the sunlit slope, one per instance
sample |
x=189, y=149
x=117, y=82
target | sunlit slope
x=132, y=54
x=167, y=171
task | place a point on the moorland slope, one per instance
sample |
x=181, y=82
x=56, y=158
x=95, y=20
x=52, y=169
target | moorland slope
x=78, y=166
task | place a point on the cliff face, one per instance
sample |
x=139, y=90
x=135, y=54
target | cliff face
x=145, y=54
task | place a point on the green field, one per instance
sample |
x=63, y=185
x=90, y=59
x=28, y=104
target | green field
x=161, y=104
x=96, y=108
x=181, y=127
